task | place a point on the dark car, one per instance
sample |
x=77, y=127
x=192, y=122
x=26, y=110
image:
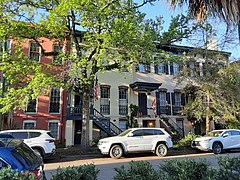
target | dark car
x=18, y=156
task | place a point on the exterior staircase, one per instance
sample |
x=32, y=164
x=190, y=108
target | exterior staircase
x=104, y=123
x=172, y=127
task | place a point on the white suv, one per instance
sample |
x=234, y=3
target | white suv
x=41, y=141
x=218, y=140
x=155, y=140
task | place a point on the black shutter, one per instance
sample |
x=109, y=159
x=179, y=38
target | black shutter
x=171, y=68
x=183, y=99
x=156, y=68
x=157, y=103
x=173, y=98
x=168, y=105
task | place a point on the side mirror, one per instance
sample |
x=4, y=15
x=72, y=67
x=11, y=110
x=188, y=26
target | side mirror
x=225, y=135
x=130, y=134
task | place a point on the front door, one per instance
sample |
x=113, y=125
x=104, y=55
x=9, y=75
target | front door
x=78, y=132
x=142, y=103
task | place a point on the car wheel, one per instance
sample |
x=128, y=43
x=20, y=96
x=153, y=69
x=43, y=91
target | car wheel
x=161, y=150
x=38, y=152
x=217, y=148
x=116, y=152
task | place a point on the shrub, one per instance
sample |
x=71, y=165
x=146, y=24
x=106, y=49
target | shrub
x=8, y=173
x=186, y=169
x=141, y=170
x=186, y=141
x=229, y=168
x=83, y=172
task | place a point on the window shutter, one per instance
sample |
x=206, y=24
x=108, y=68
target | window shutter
x=183, y=99
x=171, y=68
x=157, y=103
x=169, y=104
x=173, y=98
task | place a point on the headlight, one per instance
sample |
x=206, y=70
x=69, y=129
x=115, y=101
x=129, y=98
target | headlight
x=102, y=142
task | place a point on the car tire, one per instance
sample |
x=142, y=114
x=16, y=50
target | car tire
x=161, y=150
x=217, y=148
x=116, y=151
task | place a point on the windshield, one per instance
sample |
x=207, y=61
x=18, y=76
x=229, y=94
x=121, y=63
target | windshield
x=213, y=134
x=125, y=132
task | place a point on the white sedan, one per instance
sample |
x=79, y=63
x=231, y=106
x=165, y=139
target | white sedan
x=218, y=140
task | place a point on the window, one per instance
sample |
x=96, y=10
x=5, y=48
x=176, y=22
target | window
x=53, y=126
x=191, y=67
x=144, y=68
x=175, y=68
x=148, y=132
x=34, y=52
x=29, y=124
x=123, y=124
x=34, y=134
x=105, y=100
x=5, y=46
x=20, y=135
x=3, y=164
x=123, y=101
x=177, y=99
x=54, y=100
x=56, y=50
x=158, y=132
x=160, y=68
x=162, y=97
x=138, y=132
x=31, y=106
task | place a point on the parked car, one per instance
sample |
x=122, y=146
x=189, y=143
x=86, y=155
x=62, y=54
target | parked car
x=17, y=155
x=41, y=141
x=155, y=140
x=218, y=140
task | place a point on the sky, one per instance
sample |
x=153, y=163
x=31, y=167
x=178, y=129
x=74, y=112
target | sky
x=161, y=8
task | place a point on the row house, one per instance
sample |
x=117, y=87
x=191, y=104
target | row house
x=151, y=88
x=45, y=112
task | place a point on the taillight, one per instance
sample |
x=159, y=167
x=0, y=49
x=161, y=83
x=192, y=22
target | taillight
x=170, y=137
x=37, y=173
x=50, y=140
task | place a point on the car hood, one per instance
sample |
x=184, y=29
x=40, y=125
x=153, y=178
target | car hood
x=115, y=138
x=204, y=138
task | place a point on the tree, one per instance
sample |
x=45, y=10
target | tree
x=98, y=36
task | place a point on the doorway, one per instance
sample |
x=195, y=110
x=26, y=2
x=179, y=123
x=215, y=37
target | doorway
x=142, y=103
x=78, y=132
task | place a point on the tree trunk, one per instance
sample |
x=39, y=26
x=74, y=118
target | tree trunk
x=85, y=121
x=208, y=113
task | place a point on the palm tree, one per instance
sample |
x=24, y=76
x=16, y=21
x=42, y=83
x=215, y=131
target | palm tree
x=225, y=9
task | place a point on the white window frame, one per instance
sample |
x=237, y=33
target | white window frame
x=29, y=121
x=39, y=57
x=58, y=130
x=60, y=101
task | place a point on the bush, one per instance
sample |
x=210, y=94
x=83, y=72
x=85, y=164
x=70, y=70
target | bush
x=8, y=173
x=186, y=169
x=229, y=168
x=141, y=170
x=186, y=141
x=83, y=172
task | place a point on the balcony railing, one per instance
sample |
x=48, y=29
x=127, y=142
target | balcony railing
x=74, y=113
x=177, y=110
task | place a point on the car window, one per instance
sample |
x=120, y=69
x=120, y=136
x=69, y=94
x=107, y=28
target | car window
x=148, y=132
x=158, y=132
x=235, y=133
x=138, y=132
x=20, y=135
x=226, y=133
x=34, y=134
x=49, y=133
x=3, y=164
x=26, y=156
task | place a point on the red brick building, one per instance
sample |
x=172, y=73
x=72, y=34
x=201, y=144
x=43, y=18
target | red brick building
x=45, y=112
